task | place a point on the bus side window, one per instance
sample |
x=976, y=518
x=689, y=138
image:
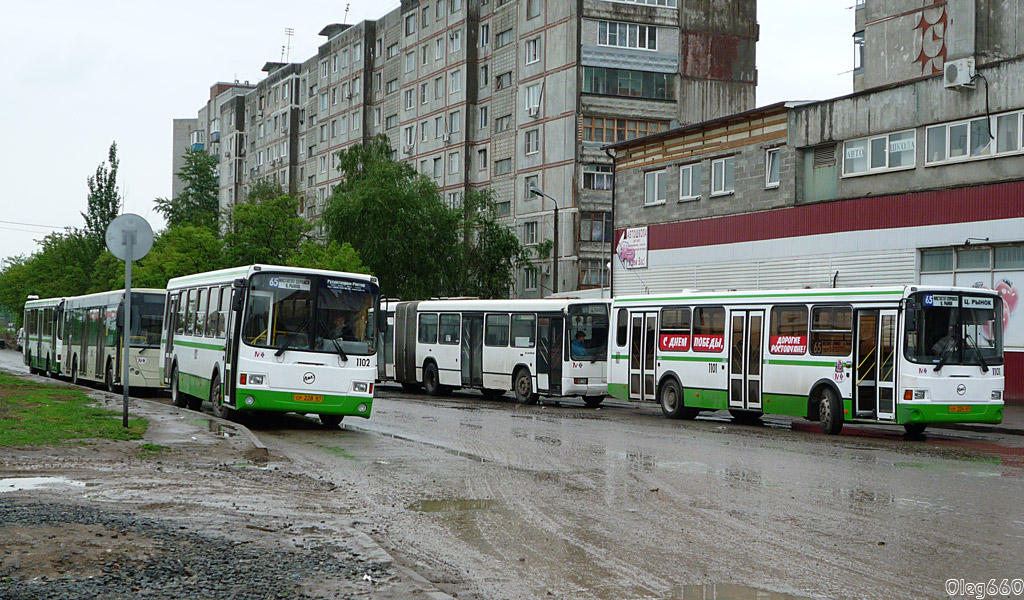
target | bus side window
x=788, y=330
x=524, y=331
x=211, y=313
x=428, y=328
x=204, y=298
x=222, y=314
x=179, y=322
x=621, y=327
x=831, y=330
x=496, y=331
x=449, y=329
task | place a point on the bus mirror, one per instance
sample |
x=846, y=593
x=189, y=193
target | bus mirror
x=236, y=303
x=120, y=315
x=912, y=309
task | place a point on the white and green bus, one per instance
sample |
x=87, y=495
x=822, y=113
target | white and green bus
x=93, y=332
x=270, y=338
x=909, y=355
x=43, y=339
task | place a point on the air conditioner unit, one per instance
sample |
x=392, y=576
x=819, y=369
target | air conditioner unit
x=959, y=73
x=446, y=136
x=533, y=111
x=545, y=269
x=409, y=149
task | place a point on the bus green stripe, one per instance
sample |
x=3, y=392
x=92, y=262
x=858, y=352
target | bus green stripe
x=801, y=363
x=218, y=347
x=879, y=293
x=692, y=358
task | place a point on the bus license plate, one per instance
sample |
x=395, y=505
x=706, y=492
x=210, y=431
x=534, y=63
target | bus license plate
x=959, y=409
x=308, y=398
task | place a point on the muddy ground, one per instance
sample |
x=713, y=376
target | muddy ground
x=192, y=509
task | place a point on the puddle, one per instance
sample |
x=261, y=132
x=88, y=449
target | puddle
x=728, y=591
x=450, y=505
x=15, y=484
x=214, y=427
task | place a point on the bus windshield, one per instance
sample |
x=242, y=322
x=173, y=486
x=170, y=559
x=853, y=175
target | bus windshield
x=955, y=329
x=147, y=319
x=312, y=313
x=588, y=331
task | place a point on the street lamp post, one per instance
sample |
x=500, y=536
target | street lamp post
x=554, y=245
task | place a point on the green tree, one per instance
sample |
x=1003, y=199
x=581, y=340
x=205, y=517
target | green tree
x=64, y=266
x=492, y=253
x=197, y=204
x=331, y=257
x=104, y=201
x=265, y=228
x=395, y=219
x=177, y=251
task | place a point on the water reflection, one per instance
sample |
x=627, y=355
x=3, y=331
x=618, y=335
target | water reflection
x=452, y=505
x=727, y=591
x=15, y=484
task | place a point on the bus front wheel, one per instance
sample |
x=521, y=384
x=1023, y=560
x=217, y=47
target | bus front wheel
x=523, y=386
x=671, y=399
x=593, y=401
x=108, y=378
x=177, y=397
x=915, y=428
x=830, y=412
x=74, y=372
x=331, y=421
x=220, y=410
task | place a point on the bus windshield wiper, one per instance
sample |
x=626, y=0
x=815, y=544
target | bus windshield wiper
x=337, y=346
x=284, y=345
x=977, y=351
x=946, y=353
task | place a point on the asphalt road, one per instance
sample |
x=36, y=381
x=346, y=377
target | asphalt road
x=490, y=499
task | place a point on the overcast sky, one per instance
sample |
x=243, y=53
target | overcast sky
x=82, y=74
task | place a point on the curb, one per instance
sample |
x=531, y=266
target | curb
x=258, y=445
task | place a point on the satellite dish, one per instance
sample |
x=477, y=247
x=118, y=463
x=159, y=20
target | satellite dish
x=129, y=237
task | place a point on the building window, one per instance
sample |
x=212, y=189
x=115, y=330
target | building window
x=391, y=122
x=453, y=163
x=323, y=100
x=503, y=81
x=503, y=38
x=530, y=183
x=598, y=129
x=456, y=6
x=439, y=48
x=595, y=227
x=503, y=123
x=439, y=87
x=439, y=129
x=455, y=40
x=771, y=168
x=426, y=16
x=654, y=187
x=689, y=182
x=423, y=130
x=504, y=208
x=410, y=62
x=437, y=167
x=532, y=50
x=858, y=50
x=533, y=141
x=485, y=79
x=376, y=117
x=391, y=87
x=392, y=51
x=530, y=233
x=482, y=117
x=593, y=274
x=662, y=3
x=880, y=153
x=722, y=176
x=485, y=34
x=977, y=138
x=455, y=121
x=324, y=69
x=410, y=99
x=532, y=8
x=481, y=159
x=597, y=177
x=410, y=24
x=454, y=199
x=533, y=99
x=455, y=79
x=627, y=35
x=624, y=82
x=503, y=166
x=424, y=92
x=355, y=121
x=530, y=278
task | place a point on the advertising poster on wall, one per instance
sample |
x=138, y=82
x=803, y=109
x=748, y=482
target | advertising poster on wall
x=632, y=248
x=1008, y=284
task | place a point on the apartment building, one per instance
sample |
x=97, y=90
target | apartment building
x=507, y=95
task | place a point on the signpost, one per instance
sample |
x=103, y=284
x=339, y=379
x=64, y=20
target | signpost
x=129, y=237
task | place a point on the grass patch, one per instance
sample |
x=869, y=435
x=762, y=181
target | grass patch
x=150, y=450
x=35, y=414
x=338, y=452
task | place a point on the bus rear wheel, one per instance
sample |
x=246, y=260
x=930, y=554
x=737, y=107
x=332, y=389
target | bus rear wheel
x=915, y=428
x=830, y=412
x=593, y=401
x=177, y=397
x=28, y=359
x=431, y=380
x=74, y=372
x=331, y=421
x=108, y=378
x=492, y=393
x=220, y=410
x=523, y=386
x=671, y=399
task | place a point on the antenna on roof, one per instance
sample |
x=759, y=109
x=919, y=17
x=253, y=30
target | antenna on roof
x=288, y=31
x=346, y=13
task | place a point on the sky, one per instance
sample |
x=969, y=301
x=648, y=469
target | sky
x=84, y=74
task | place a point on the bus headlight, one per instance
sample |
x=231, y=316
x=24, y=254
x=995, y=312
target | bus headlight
x=256, y=379
x=914, y=394
x=997, y=394
x=361, y=387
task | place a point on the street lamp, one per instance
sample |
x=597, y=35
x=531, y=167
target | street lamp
x=554, y=247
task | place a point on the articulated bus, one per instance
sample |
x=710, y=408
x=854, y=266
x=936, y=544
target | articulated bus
x=43, y=338
x=268, y=338
x=93, y=330
x=550, y=347
x=900, y=355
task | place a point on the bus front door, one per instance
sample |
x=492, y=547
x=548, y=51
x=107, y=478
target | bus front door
x=874, y=395
x=472, y=350
x=170, y=324
x=550, y=333
x=643, y=336
x=745, y=360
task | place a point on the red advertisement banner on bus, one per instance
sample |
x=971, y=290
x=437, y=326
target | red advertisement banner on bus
x=709, y=343
x=788, y=344
x=674, y=342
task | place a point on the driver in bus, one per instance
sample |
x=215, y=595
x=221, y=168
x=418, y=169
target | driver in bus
x=947, y=342
x=342, y=328
x=579, y=349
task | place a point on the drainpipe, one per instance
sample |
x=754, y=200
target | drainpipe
x=611, y=244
